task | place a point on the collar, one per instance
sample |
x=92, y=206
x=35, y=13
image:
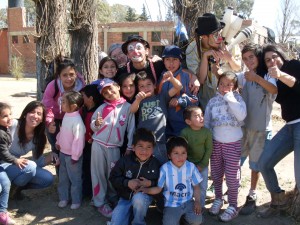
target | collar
x=116, y=102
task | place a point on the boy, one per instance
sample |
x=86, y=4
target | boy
x=109, y=123
x=259, y=93
x=172, y=56
x=130, y=173
x=200, y=145
x=92, y=100
x=179, y=179
x=153, y=108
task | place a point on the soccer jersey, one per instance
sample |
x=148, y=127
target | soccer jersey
x=177, y=183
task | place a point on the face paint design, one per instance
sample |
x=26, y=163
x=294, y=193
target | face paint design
x=136, y=51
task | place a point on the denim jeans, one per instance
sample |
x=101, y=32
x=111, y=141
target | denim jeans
x=31, y=176
x=203, y=186
x=4, y=192
x=70, y=180
x=172, y=215
x=284, y=142
x=131, y=211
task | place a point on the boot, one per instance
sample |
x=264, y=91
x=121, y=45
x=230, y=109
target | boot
x=278, y=204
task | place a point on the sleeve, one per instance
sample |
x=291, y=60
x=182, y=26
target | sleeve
x=196, y=176
x=237, y=106
x=117, y=177
x=130, y=129
x=207, y=116
x=79, y=139
x=162, y=177
x=49, y=101
x=208, y=149
x=187, y=100
x=192, y=58
x=241, y=79
x=271, y=80
x=4, y=151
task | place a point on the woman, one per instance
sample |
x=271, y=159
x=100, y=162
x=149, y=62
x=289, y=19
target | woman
x=67, y=79
x=28, y=134
x=288, y=138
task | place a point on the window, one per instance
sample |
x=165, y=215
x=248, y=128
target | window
x=14, y=39
x=35, y=39
x=25, y=39
x=125, y=35
x=155, y=36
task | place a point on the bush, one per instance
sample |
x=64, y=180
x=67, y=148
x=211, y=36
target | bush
x=17, y=67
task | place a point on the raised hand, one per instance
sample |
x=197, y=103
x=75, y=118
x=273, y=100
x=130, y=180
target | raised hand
x=99, y=120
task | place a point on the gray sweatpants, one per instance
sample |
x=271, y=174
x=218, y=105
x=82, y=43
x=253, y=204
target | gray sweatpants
x=103, y=159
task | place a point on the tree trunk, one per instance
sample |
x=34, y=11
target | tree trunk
x=84, y=38
x=294, y=204
x=51, y=36
x=190, y=10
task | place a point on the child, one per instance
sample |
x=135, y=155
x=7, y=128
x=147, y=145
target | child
x=224, y=114
x=91, y=101
x=130, y=173
x=259, y=93
x=109, y=123
x=70, y=142
x=153, y=108
x=172, y=56
x=199, y=141
x=179, y=179
x=5, y=156
x=108, y=68
x=127, y=84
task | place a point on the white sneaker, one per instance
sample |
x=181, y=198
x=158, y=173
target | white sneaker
x=62, y=204
x=229, y=214
x=75, y=206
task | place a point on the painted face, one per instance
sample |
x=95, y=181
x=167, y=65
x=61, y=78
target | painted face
x=273, y=59
x=128, y=88
x=6, y=118
x=172, y=64
x=178, y=156
x=226, y=85
x=68, y=77
x=146, y=86
x=215, y=39
x=137, y=52
x=197, y=120
x=143, y=150
x=250, y=60
x=119, y=56
x=108, y=69
x=111, y=92
x=35, y=117
x=65, y=106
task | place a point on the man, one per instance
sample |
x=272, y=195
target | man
x=208, y=57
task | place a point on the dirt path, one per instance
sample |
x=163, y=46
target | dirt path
x=40, y=206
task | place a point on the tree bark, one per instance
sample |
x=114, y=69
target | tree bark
x=84, y=38
x=51, y=27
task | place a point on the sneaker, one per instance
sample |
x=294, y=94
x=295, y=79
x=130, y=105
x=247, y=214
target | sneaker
x=216, y=207
x=210, y=192
x=62, y=204
x=75, y=206
x=249, y=206
x=229, y=214
x=105, y=210
x=5, y=219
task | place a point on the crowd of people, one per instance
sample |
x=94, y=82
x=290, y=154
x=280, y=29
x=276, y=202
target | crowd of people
x=146, y=130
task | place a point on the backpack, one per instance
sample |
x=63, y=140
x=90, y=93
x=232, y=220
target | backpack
x=50, y=75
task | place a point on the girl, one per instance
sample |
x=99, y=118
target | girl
x=107, y=68
x=127, y=83
x=109, y=123
x=224, y=114
x=67, y=79
x=70, y=142
x=5, y=142
x=28, y=134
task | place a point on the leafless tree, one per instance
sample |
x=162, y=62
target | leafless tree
x=287, y=15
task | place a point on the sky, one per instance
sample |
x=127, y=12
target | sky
x=264, y=11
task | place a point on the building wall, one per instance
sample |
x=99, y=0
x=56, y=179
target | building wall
x=3, y=51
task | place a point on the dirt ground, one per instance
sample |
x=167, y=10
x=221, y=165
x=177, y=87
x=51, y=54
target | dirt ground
x=40, y=206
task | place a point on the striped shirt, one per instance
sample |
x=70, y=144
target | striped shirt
x=177, y=183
